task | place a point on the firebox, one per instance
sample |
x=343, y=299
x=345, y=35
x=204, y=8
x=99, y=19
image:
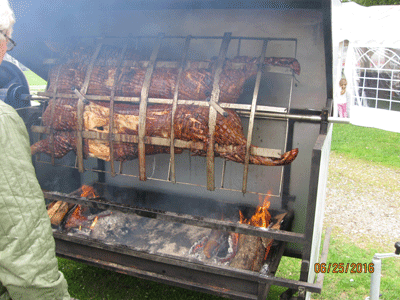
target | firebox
x=185, y=142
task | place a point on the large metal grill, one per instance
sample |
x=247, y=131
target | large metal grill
x=280, y=111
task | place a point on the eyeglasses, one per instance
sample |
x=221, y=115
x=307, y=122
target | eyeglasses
x=10, y=43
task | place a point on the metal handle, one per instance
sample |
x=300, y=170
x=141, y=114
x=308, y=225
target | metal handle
x=397, y=246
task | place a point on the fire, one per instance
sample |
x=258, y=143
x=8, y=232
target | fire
x=77, y=218
x=88, y=191
x=94, y=222
x=262, y=216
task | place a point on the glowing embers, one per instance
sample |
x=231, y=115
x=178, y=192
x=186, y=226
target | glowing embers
x=218, y=246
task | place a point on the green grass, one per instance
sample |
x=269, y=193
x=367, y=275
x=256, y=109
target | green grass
x=34, y=79
x=349, y=286
x=87, y=282
x=369, y=144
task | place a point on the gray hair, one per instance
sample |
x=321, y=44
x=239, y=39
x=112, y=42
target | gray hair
x=7, y=19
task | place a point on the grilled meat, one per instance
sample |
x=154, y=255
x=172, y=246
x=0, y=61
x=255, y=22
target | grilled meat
x=190, y=124
x=196, y=81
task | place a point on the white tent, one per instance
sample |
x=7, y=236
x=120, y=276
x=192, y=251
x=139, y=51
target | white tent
x=371, y=64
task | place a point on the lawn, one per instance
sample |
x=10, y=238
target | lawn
x=34, y=79
x=367, y=144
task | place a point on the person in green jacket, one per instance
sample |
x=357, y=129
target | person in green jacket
x=28, y=264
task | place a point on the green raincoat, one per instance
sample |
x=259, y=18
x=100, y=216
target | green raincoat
x=28, y=265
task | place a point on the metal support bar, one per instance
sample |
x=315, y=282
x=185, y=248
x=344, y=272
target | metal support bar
x=324, y=255
x=111, y=126
x=143, y=107
x=280, y=235
x=295, y=117
x=80, y=108
x=212, y=119
x=312, y=205
x=252, y=115
x=217, y=107
x=52, y=115
x=79, y=141
x=172, y=175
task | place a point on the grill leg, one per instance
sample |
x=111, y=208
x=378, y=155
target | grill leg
x=263, y=290
x=287, y=295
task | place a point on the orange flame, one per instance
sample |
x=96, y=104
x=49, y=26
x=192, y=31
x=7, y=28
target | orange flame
x=76, y=218
x=94, y=223
x=88, y=191
x=262, y=216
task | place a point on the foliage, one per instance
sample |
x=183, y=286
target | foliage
x=377, y=2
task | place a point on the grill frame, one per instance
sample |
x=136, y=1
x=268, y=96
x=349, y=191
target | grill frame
x=80, y=250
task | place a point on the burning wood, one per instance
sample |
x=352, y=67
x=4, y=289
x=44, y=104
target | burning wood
x=77, y=218
x=239, y=250
x=262, y=216
x=96, y=218
x=218, y=245
x=58, y=210
x=253, y=250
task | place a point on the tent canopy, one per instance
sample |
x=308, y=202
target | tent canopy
x=374, y=26
x=371, y=64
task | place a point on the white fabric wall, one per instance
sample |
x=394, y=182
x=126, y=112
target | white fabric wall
x=370, y=27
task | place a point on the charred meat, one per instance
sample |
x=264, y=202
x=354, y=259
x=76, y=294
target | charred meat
x=196, y=80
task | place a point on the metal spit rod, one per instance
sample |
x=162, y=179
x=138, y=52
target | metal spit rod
x=314, y=118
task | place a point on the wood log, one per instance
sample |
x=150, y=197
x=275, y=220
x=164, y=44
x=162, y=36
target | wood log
x=57, y=211
x=252, y=250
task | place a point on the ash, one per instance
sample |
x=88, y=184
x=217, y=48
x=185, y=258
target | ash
x=143, y=234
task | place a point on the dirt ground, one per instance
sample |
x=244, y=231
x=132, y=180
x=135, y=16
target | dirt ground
x=363, y=201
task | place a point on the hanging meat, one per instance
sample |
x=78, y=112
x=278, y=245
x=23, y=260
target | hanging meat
x=196, y=80
x=191, y=124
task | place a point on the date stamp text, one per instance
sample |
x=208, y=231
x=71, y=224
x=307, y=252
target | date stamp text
x=343, y=268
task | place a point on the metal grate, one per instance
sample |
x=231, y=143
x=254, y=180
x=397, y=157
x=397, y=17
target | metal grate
x=251, y=111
